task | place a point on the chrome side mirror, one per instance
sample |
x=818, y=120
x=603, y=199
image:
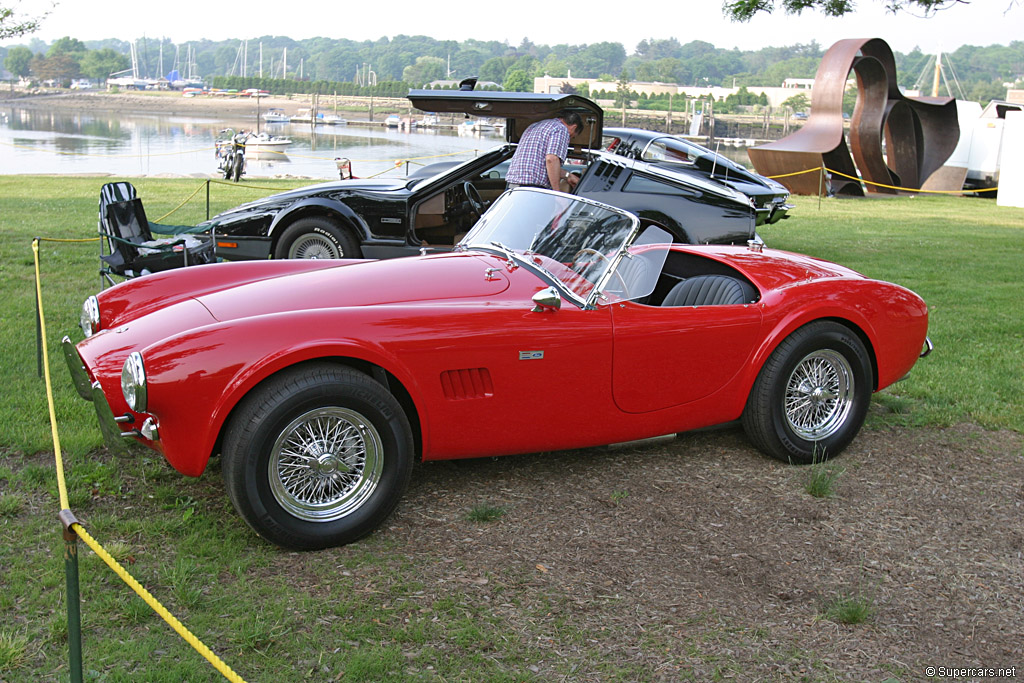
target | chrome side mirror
x=546, y=300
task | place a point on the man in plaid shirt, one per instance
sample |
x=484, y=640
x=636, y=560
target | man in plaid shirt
x=542, y=150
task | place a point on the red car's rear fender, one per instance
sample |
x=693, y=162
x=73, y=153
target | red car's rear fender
x=891, y=321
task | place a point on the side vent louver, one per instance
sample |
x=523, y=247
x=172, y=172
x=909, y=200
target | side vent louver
x=459, y=385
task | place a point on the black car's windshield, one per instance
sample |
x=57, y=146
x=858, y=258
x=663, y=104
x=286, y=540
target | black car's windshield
x=674, y=150
x=576, y=242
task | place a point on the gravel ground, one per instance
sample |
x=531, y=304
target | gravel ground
x=701, y=558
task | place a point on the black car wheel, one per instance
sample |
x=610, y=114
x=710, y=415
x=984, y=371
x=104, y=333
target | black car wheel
x=317, y=237
x=811, y=397
x=317, y=457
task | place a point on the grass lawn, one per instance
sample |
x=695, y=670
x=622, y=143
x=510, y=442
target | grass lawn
x=258, y=606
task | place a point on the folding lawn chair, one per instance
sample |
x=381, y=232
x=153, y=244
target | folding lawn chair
x=129, y=249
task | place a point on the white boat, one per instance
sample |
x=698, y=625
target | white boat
x=393, y=121
x=331, y=120
x=430, y=121
x=275, y=115
x=303, y=116
x=265, y=142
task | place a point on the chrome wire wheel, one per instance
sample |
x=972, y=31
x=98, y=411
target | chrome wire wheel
x=325, y=464
x=313, y=246
x=819, y=395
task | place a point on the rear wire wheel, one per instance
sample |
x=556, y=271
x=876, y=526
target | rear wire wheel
x=811, y=397
x=317, y=456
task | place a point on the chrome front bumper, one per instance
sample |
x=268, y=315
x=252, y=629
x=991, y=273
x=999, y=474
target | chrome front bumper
x=109, y=425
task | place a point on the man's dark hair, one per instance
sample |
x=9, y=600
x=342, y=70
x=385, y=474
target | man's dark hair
x=572, y=118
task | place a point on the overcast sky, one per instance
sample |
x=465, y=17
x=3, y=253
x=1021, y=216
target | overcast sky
x=982, y=22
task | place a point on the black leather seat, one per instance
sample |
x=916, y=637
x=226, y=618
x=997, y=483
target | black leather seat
x=710, y=290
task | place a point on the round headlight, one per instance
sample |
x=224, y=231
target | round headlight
x=133, y=382
x=90, y=316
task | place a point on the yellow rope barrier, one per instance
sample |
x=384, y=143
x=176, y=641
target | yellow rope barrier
x=180, y=205
x=906, y=189
x=62, y=488
x=890, y=187
x=789, y=175
x=247, y=186
x=178, y=627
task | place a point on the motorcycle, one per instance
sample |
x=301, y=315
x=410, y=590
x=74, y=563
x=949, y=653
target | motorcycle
x=231, y=154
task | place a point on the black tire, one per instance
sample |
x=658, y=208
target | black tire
x=811, y=397
x=238, y=166
x=317, y=457
x=228, y=163
x=317, y=237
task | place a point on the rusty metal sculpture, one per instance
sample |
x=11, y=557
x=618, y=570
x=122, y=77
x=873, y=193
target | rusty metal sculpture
x=920, y=132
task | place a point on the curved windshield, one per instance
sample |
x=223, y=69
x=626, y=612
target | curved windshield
x=576, y=242
x=675, y=150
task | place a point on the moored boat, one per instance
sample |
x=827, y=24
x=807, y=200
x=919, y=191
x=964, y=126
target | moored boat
x=265, y=142
x=275, y=115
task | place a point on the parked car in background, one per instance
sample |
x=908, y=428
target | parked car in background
x=436, y=206
x=557, y=323
x=681, y=156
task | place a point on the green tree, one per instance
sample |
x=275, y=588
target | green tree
x=745, y=10
x=517, y=80
x=66, y=46
x=18, y=60
x=12, y=26
x=60, y=68
x=424, y=70
x=496, y=68
x=623, y=95
x=798, y=102
x=99, y=64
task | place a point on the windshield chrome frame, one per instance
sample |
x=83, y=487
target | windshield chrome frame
x=518, y=259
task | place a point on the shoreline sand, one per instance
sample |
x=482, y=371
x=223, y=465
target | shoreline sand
x=174, y=104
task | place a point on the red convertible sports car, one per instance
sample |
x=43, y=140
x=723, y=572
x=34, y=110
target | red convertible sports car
x=558, y=322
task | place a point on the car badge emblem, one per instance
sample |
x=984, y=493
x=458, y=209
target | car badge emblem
x=531, y=355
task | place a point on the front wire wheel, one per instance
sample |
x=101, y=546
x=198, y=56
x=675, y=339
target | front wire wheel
x=819, y=395
x=811, y=397
x=325, y=464
x=317, y=456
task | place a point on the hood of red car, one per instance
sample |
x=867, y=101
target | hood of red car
x=404, y=280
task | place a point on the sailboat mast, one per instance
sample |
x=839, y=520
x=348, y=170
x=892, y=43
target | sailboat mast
x=938, y=74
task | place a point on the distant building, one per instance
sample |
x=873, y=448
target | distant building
x=798, y=83
x=454, y=85
x=776, y=95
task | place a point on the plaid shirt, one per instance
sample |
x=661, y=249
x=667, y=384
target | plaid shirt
x=550, y=136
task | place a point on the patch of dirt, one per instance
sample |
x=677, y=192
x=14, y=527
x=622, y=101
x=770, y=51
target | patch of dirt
x=702, y=558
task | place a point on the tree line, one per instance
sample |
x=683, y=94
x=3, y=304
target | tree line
x=417, y=60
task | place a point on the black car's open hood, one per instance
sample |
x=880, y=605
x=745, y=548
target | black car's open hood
x=519, y=109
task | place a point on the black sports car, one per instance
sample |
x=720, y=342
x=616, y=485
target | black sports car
x=682, y=156
x=398, y=217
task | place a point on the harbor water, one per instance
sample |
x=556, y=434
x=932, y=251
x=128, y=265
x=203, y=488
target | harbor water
x=36, y=141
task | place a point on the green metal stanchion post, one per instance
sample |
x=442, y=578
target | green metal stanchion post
x=207, y=200
x=821, y=182
x=73, y=596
